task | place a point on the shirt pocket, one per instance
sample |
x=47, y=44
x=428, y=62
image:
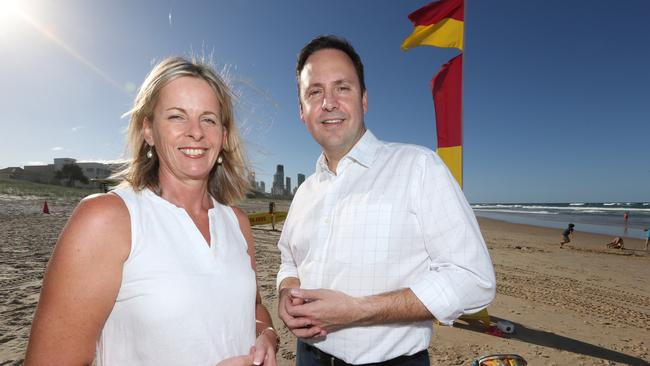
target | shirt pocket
x=361, y=233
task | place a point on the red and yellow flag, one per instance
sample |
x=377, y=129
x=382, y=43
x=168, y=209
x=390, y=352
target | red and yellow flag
x=438, y=24
x=447, y=90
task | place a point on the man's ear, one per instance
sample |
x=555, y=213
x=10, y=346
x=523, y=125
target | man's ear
x=302, y=115
x=147, y=130
x=364, y=101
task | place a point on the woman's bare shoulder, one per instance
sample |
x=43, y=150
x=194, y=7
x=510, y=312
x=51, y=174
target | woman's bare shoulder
x=241, y=214
x=103, y=217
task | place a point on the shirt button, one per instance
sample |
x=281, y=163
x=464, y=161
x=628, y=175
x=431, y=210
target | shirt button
x=327, y=220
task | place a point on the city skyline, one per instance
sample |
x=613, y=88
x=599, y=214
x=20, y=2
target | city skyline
x=256, y=184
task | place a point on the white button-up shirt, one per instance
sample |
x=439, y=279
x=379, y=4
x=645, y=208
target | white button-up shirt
x=392, y=217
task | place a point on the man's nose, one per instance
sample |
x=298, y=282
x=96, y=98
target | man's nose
x=330, y=101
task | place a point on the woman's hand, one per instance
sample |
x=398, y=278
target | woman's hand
x=263, y=352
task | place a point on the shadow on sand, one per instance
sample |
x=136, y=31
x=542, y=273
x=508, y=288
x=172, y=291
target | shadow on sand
x=548, y=339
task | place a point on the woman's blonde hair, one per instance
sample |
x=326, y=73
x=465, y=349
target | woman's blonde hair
x=227, y=182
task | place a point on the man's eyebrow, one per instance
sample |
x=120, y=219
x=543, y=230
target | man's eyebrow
x=342, y=81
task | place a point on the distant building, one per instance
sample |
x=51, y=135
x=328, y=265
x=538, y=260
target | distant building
x=33, y=175
x=278, y=182
x=60, y=162
x=301, y=180
x=39, y=173
x=261, y=186
x=47, y=173
x=94, y=170
x=251, y=180
x=287, y=187
x=10, y=172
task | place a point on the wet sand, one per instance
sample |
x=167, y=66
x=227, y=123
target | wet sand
x=580, y=305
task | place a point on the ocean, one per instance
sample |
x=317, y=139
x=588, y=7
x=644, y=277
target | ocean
x=601, y=218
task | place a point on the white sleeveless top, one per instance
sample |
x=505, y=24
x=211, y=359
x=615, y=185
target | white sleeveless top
x=181, y=302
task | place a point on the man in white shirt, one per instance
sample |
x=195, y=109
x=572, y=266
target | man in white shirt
x=380, y=240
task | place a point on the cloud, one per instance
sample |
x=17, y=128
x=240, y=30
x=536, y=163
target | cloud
x=76, y=128
x=57, y=148
x=104, y=161
x=34, y=163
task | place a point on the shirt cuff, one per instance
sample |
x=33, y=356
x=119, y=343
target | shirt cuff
x=285, y=273
x=442, y=303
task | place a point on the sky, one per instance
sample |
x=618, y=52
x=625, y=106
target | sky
x=556, y=93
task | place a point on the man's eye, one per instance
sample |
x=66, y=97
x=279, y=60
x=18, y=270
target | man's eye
x=209, y=120
x=313, y=93
x=175, y=117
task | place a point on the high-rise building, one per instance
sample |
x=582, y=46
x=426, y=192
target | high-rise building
x=278, y=181
x=287, y=187
x=301, y=180
x=261, y=186
x=251, y=179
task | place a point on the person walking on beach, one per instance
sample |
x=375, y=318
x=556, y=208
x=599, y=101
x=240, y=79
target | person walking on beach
x=272, y=213
x=567, y=234
x=379, y=240
x=647, y=237
x=161, y=271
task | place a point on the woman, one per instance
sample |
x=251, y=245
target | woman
x=161, y=271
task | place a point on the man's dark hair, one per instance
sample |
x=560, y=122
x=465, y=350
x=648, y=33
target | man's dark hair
x=330, y=42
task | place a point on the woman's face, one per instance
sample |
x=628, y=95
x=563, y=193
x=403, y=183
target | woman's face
x=186, y=129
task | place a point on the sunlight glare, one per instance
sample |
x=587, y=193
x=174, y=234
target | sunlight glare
x=12, y=16
x=9, y=13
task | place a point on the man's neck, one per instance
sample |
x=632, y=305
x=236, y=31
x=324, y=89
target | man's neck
x=333, y=157
x=332, y=163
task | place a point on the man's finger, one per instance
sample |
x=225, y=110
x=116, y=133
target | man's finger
x=305, y=310
x=297, y=301
x=305, y=294
x=307, y=332
x=298, y=322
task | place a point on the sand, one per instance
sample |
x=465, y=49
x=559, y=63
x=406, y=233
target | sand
x=580, y=305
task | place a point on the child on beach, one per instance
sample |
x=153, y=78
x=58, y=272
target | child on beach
x=566, y=235
x=617, y=243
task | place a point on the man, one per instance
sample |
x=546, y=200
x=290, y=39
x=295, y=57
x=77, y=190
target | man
x=379, y=241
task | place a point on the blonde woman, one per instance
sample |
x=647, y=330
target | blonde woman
x=161, y=271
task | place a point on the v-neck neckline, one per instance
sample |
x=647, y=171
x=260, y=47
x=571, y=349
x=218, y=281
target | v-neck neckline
x=205, y=243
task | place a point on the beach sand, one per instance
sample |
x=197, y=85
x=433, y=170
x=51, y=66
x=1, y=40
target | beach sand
x=580, y=305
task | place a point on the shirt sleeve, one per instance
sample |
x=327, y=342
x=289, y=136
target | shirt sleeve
x=288, y=266
x=461, y=277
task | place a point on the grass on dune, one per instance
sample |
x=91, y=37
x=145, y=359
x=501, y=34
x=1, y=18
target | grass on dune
x=25, y=188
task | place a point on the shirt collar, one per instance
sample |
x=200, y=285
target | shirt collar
x=363, y=152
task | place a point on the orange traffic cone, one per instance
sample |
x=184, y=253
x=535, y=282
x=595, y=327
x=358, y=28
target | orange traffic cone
x=46, y=210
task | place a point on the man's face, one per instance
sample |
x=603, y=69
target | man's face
x=332, y=104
